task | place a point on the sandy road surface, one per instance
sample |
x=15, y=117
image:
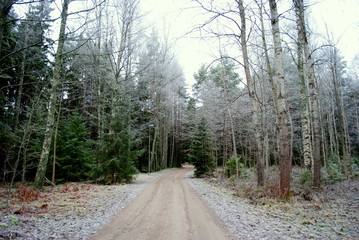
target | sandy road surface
x=166, y=209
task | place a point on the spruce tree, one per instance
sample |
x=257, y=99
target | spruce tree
x=200, y=153
x=120, y=147
x=75, y=158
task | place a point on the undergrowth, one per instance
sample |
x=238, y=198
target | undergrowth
x=26, y=194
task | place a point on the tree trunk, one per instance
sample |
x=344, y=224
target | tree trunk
x=303, y=47
x=284, y=131
x=55, y=143
x=153, y=160
x=341, y=126
x=41, y=169
x=305, y=118
x=28, y=128
x=314, y=108
x=235, y=154
x=22, y=76
x=252, y=95
x=271, y=81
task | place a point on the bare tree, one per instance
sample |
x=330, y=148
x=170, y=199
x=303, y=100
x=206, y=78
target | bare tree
x=284, y=130
x=56, y=81
x=309, y=101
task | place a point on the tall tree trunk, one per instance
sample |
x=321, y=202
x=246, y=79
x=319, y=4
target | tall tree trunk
x=305, y=118
x=303, y=47
x=270, y=78
x=341, y=125
x=22, y=148
x=314, y=108
x=324, y=140
x=235, y=154
x=284, y=131
x=22, y=76
x=153, y=160
x=55, y=143
x=264, y=119
x=252, y=95
x=56, y=80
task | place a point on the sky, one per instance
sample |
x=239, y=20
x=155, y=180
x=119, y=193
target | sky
x=175, y=18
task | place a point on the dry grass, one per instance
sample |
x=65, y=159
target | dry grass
x=334, y=206
x=67, y=199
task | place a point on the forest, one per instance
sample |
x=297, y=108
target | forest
x=93, y=97
x=97, y=94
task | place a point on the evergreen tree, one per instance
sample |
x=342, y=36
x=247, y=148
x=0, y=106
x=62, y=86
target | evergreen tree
x=24, y=70
x=75, y=158
x=120, y=148
x=200, y=153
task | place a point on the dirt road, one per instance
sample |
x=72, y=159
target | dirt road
x=167, y=209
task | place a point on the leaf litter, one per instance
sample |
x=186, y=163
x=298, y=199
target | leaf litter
x=332, y=213
x=69, y=211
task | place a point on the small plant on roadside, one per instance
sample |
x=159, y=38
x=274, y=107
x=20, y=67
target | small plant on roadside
x=355, y=167
x=333, y=174
x=14, y=221
x=306, y=177
x=3, y=225
x=232, y=180
x=332, y=177
x=231, y=166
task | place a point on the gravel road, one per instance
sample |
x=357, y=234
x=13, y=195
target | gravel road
x=168, y=208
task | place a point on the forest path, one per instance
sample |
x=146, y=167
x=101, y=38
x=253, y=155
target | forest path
x=168, y=208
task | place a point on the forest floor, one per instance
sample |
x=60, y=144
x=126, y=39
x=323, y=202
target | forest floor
x=69, y=211
x=252, y=213
x=77, y=211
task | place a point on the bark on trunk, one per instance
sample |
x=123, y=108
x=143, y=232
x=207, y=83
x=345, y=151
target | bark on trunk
x=22, y=76
x=341, y=126
x=284, y=131
x=308, y=69
x=41, y=169
x=252, y=95
x=305, y=118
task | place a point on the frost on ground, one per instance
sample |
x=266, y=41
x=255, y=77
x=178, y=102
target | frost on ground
x=70, y=211
x=331, y=217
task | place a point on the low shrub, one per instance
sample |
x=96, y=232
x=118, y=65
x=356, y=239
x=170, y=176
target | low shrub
x=231, y=167
x=333, y=174
x=306, y=177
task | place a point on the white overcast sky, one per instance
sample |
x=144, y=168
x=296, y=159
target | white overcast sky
x=341, y=17
x=174, y=18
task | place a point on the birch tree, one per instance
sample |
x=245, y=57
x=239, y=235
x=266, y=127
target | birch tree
x=56, y=81
x=309, y=98
x=284, y=130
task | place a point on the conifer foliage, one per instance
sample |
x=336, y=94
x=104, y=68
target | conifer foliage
x=75, y=159
x=200, y=153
